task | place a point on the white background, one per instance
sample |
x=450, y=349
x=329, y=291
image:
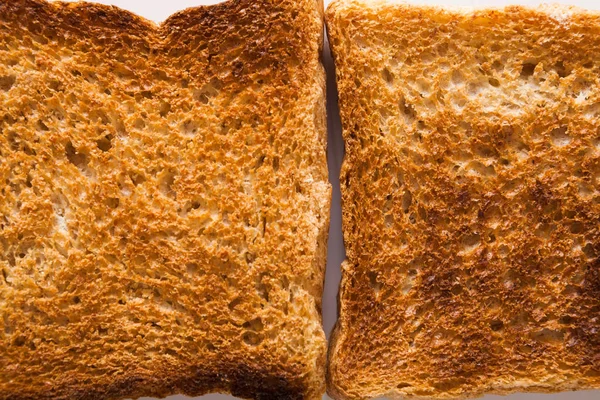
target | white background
x=158, y=10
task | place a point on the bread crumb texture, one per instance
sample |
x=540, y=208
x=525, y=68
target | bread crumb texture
x=163, y=201
x=471, y=202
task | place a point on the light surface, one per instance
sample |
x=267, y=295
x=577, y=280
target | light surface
x=158, y=10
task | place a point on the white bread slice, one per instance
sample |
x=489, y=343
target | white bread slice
x=163, y=201
x=471, y=202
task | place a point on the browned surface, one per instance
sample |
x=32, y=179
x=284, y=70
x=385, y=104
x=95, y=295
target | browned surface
x=470, y=200
x=163, y=201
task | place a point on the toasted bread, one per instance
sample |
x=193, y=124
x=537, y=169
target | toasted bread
x=470, y=199
x=163, y=201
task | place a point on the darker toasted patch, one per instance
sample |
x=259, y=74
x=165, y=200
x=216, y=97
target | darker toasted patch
x=79, y=18
x=261, y=385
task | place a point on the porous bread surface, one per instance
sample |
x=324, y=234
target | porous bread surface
x=163, y=201
x=471, y=203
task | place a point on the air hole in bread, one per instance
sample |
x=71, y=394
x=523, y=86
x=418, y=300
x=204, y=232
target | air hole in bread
x=592, y=111
x=496, y=325
x=229, y=44
x=99, y=116
x=105, y=143
x=412, y=218
x=164, y=108
x=576, y=227
x=19, y=341
x=457, y=77
x=252, y=338
x=234, y=303
x=264, y=226
x=485, y=151
x=139, y=123
x=589, y=251
x=459, y=103
x=503, y=250
x=7, y=82
x=494, y=82
x=137, y=179
x=147, y=94
x=89, y=77
x=388, y=77
x=548, y=336
x=80, y=160
x=528, y=70
x=566, y=320
x=5, y=274
x=113, y=202
x=498, y=66
x=424, y=87
x=408, y=284
x=191, y=268
x=262, y=289
x=165, y=184
x=160, y=75
x=373, y=282
x=41, y=126
x=560, y=137
x=389, y=221
x=12, y=262
x=476, y=168
x=456, y=289
x=275, y=163
x=10, y=62
x=123, y=73
x=561, y=70
x=474, y=88
x=208, y=91
x=255, y=325
x=406, y=201
x=470, y=242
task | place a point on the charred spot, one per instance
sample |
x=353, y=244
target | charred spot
x=540, y=194
x=433, y=216
x=439, y=283
x=591, y=283
x=585, y=341
x=247, y=382
x=483, y=260
x=463, y=198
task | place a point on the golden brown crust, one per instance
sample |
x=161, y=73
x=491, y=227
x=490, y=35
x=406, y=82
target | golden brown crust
x=471, y=200
x=163, y=201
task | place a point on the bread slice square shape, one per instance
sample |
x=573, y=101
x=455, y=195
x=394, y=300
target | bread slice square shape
x=163, y=201
x=470, y=199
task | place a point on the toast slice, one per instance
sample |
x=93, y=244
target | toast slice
x=471, y=203
x=163, y=201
